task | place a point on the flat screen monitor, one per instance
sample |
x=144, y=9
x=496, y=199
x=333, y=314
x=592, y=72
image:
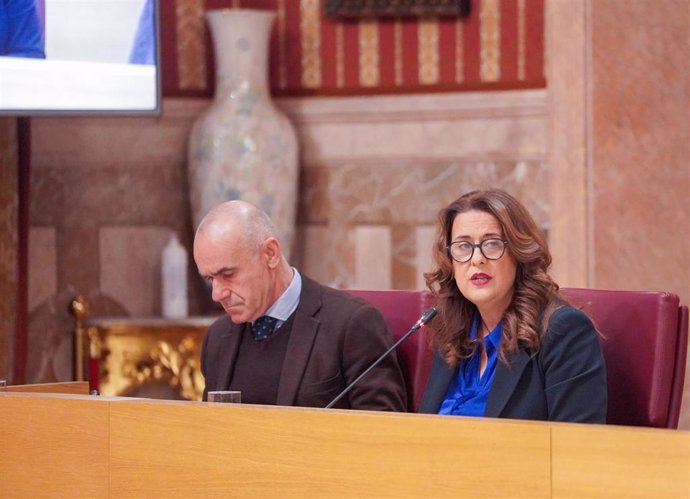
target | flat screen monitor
x=62, y=57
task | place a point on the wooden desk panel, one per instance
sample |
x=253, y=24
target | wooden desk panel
x=252, y=451
x=53, y=445
x=610, y=461
x=75, y=445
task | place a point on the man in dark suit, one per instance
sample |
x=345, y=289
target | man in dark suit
x=286, y=339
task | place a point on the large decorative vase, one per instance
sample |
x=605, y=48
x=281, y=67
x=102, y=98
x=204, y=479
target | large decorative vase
x=243, y=147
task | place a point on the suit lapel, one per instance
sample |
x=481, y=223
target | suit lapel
x=227, y=354
x=304, y=330
x=440, y=376
x=505, y=382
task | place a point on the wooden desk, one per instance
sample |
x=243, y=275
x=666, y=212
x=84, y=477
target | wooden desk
x=68, y=445
x=74, y=387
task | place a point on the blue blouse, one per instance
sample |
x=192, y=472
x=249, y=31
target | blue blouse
x=468, y=392
x=20, y=30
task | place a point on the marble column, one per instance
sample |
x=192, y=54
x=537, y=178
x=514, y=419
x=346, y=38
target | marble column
x=618, y=78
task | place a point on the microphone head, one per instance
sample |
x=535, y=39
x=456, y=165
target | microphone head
x=427, y=316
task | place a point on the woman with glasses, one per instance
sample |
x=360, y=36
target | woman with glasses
x=508, y=344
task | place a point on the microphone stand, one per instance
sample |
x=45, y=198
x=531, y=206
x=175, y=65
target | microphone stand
x=426, y=317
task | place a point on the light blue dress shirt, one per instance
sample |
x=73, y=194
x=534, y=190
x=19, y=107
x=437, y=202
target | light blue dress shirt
x=287, y=303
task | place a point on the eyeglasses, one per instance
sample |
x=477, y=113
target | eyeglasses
x=462, y=251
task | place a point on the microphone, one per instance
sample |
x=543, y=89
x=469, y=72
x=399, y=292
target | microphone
x=424, y=319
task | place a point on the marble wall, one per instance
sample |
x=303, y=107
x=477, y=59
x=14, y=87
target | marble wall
x=618, y=147
x=640, y=148
x=619, y=168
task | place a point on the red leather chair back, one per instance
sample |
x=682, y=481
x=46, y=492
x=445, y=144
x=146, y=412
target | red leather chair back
x=645, y=339
x=401, y=309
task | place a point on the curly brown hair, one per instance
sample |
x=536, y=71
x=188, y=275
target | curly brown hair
x=535, y=294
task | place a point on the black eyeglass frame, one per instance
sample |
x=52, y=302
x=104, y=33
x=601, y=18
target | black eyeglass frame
x=475, y=246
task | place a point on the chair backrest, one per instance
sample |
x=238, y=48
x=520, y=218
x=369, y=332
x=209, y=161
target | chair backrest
x=401, y=309
x=644, y=340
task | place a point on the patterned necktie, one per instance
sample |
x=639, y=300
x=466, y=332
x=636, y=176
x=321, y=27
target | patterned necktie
x=263, y=327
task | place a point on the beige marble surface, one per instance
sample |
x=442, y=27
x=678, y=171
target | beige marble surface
x=640, y=147
x=567, y=68
x=478, y=126
x=619, y=158
x=372, y=257
x=43, y=273
x=130, y=266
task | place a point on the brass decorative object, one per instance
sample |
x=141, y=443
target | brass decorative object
x=176, y=366
x=146, y=357
x=79, y=308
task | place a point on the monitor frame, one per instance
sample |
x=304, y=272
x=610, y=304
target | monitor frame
x=34, y=68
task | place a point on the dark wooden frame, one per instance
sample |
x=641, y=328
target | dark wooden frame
x=396, y=8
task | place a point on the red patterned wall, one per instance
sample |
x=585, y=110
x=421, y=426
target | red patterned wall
x=499, y=46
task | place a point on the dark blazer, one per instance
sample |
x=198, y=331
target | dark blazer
x=334, y=338
x=565, y=381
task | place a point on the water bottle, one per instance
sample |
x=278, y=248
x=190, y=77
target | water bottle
x=174, y=280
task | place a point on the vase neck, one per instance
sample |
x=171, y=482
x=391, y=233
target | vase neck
x=240, y=40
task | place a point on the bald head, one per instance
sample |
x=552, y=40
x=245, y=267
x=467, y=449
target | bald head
x=243, y=221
